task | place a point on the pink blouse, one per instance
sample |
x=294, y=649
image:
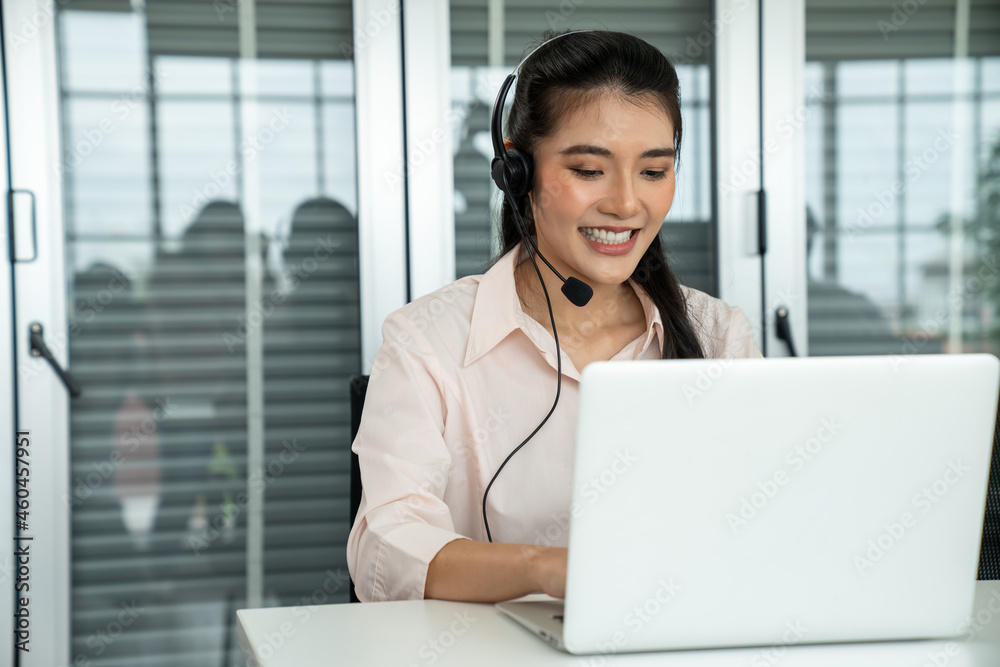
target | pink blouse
x=462, y=377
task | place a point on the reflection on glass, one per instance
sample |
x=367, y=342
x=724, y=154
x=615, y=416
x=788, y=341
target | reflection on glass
x=889, y=171
x=106, y=167
x=155, y=173
x=196, y=165
x=106, y=48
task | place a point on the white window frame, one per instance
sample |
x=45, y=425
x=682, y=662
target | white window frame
x=747, y=156
x=378, y=67
x=43, y=402
x=7, y=388
x=784, y=32
x=737, y=101
x=429, y=139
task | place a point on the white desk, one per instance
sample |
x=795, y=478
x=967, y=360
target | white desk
x=431, y=632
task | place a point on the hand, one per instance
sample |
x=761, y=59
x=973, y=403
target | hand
x=548, y=567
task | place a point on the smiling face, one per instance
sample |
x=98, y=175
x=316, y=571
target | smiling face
x=604, y=181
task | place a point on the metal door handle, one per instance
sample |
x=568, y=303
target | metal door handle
x=783, y=329
x=34, y=226
x=40, y=349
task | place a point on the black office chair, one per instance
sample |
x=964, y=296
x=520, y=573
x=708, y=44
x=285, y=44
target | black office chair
x=359, y=387
x=989, y=553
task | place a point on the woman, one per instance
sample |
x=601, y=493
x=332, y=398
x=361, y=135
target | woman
x=466, y=373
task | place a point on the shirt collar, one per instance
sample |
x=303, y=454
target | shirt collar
x=497, y=311
x=654, y=323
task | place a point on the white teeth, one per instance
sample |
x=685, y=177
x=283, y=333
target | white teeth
x=606, y=237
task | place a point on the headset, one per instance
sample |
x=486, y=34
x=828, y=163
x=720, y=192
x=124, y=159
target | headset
x=513, y=172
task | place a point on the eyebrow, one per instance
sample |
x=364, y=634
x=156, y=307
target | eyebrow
x=588, y=149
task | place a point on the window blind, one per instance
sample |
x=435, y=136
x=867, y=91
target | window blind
x=158, y=342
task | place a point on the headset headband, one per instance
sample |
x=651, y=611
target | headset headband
x=496, y=123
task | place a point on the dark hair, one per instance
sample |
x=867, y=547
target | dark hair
x=566, y=73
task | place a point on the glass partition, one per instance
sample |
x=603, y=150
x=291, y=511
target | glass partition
x=902, y=146
x=212, y=241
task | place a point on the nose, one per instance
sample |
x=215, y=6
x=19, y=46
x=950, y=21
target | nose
x=621, y=200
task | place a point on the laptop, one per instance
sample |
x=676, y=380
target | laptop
x=762, y=502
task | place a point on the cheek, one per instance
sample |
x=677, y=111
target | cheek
x=664, y=194
x=561, y=192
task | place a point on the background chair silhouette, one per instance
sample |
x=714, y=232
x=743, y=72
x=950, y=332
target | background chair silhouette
x=989, y=553
x=359, y=386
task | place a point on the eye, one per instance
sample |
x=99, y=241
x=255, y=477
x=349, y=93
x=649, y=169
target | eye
x=587, y=173
x=656, y=175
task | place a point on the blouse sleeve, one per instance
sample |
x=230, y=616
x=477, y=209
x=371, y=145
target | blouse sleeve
x=402, y=522
x=724, y=330
x=737, y=336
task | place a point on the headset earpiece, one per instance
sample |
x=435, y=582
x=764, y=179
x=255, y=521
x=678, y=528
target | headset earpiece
x=517, y=167
x=496, y=171
x=510, y=168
